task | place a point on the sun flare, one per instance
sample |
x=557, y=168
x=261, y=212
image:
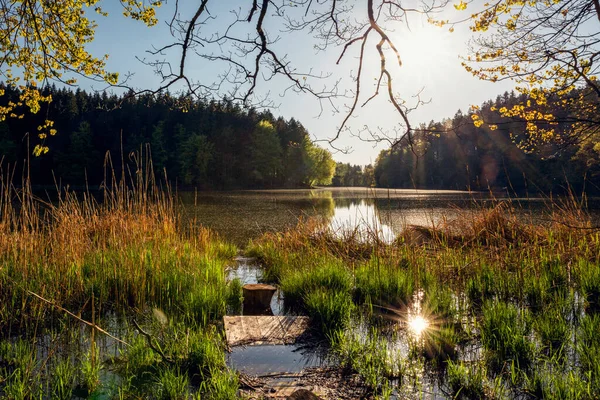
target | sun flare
x=418, y=325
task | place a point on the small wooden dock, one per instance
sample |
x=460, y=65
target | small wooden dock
x=263, y=329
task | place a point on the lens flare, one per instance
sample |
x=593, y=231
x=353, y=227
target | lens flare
x=418, y=325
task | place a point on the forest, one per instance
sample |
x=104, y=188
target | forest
x=194, y=144
x=456, y=154
x=219, y=145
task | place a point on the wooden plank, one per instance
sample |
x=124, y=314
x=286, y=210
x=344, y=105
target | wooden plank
x=263, y=329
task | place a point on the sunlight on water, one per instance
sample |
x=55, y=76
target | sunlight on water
x=417, y=324
x=361, y=218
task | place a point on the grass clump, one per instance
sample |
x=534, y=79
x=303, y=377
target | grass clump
x=63, y=380
x=329, y=310
x=466, y=381
x=504, y=333
x=382, y=283
x=321, y=273
x=589, y=284
x=552, y=323
x=550, y=382
x=172, y=384
x=369, y=356
x=588, y=349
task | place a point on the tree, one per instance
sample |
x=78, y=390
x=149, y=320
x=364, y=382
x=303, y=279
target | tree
x=80, y=156
x=265, y=152
x=195, y=158
x=7, y=146
x=321, y=166
x=43, y=41
x=551, y=49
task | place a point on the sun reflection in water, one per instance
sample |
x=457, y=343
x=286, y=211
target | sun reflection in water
x=417, y=324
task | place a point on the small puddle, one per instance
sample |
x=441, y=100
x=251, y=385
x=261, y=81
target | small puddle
x=269, y=359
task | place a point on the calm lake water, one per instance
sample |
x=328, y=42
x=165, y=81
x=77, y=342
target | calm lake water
x=243, y=215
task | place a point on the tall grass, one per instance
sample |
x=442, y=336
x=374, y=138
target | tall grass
x=122, y=255
x=130, y=250
x=504, y=333
x=492, y=279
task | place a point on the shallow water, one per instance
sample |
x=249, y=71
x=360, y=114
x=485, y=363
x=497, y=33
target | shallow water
x=247, y=270
x=269, y=359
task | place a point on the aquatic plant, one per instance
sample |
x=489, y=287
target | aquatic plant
x=504, y=333
x=329, y=309
x=588, y=349
x=369, y=356
x=382, y=283
x=589, y=283
x=466, y=381
x=172, y=384
x=63, y=378
x=320, y=273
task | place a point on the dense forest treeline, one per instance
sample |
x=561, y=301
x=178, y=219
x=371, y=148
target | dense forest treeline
x=204, y=144
x=219, y=145
x=455, y=154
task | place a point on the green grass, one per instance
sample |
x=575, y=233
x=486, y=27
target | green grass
x=108, y=263
x=493, y=281
x=369, y=357
x=317, y=274
x=466, y=381
x=552, y=325
x=505, y=335
x=173, y=384
x=589, y=283
x=380, y=282
x=330, y=310
x=588, y=349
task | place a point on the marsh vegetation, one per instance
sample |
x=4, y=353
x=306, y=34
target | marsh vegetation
x=123, y=298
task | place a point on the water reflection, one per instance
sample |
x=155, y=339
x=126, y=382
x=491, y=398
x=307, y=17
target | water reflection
x=362, y=218
x=243, y=215
x=418, y=324
x=267, y=359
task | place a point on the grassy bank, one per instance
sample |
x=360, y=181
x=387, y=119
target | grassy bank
x=116, y=299
x=491, y=305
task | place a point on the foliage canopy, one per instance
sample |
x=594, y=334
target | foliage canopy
x=43, y=41
x=548, y=47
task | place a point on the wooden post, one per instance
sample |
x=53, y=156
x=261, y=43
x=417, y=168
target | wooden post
x=257, y=299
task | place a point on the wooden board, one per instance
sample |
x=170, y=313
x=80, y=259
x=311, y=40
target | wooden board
x=263, y=329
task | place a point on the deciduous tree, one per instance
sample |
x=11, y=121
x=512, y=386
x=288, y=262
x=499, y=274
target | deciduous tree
x=551, y=49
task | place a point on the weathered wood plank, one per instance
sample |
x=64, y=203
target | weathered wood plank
x=262, y=329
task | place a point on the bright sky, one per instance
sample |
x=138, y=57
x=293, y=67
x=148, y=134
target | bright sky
x=430, y=55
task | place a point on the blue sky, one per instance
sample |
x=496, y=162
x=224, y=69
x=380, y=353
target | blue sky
x=430, y=63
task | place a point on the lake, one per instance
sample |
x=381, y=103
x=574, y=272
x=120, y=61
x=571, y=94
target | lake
x=239, y=216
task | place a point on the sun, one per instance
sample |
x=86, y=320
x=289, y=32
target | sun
x=424, y=49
